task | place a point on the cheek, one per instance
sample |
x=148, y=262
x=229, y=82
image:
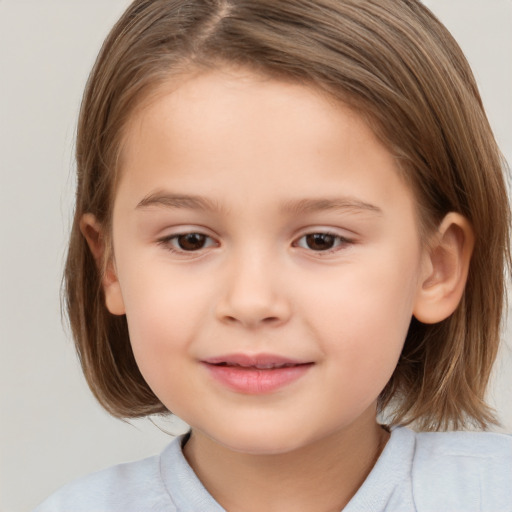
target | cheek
x=363, y=318
x=164, y=312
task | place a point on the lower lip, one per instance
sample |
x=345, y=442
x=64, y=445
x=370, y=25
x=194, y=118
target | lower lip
x=256, y=381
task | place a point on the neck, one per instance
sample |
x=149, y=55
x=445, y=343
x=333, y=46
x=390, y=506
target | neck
x=321, y=477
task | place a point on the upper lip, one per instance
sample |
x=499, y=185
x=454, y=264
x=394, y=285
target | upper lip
x=259, y=361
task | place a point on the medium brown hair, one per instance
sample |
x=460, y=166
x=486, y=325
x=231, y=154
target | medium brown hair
x=398, y=66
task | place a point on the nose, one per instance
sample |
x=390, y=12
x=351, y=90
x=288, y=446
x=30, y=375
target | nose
x=253, y=294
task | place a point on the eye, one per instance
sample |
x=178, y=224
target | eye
x=321, y=242
x=188, y=242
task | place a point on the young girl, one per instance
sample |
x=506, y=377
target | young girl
x=291, y=217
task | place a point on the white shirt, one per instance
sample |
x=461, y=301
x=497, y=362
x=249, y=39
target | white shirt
x=422, y=472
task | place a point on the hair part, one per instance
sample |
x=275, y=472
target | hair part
x=401, y=70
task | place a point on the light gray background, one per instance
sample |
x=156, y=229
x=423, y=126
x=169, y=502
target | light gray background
x=51, y=429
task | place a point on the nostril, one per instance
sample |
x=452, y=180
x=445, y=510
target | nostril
x=269, y=320
x=252, y=310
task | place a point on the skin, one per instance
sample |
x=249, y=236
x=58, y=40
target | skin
x=272, y=162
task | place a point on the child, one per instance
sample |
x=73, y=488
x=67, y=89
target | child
x=291, y=216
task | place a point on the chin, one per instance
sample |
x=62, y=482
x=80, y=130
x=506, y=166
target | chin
x=262, y=440
x=264, y=446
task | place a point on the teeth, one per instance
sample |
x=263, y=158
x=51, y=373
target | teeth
x=269, y=366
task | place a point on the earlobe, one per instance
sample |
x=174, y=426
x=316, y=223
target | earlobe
x=92, y=231
x=446, y=270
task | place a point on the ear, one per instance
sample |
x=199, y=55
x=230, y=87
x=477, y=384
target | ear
x=446, y=270
x=94, y=234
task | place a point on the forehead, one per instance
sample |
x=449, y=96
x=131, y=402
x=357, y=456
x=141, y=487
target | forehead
x=234, y=95
x=213, y=131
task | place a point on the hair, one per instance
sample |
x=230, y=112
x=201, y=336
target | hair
x=398, y=67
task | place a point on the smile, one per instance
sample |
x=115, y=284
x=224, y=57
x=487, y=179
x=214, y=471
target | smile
x=269, y=366
x=259, y=374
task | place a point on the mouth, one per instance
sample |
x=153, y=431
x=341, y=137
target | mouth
x=258, y=361
x=256, y=374
x=268, y=366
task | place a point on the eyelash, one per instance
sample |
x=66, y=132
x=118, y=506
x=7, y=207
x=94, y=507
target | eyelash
x=340, y=242
x=167, y=242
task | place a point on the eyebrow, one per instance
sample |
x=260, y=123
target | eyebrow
x=346, y=204
x=295, y=207
x=169, y=200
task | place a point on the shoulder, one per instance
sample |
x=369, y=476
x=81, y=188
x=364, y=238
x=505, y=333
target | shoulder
x=462, y=471
x=482, y=452
x=474, y=444
x=129, y=487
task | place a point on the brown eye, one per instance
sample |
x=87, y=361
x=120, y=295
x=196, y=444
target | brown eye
x=183, y=243
x=320, y=241
x=191, y=241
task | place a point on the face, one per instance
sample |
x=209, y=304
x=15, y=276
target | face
x=267, y=256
